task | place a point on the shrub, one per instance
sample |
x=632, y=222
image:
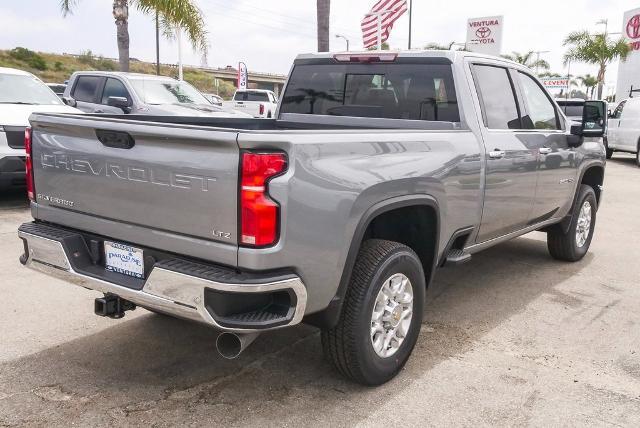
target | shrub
x=33, y=59
x=86, y=57
x=58, y=66
x=38, y=63
x=105, y=64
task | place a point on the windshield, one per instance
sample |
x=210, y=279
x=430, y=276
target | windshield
x=156, y=91
x=21, y=89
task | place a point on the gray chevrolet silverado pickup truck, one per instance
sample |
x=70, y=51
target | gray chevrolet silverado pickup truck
x=378, y=169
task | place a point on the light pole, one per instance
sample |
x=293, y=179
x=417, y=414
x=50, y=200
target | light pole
x=179, y=39
x=340, y=36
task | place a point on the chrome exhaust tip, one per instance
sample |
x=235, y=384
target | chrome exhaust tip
x=230, y=345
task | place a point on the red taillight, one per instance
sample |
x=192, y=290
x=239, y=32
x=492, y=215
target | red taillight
x=31, y=192
x=261, y=108
x=258, y=213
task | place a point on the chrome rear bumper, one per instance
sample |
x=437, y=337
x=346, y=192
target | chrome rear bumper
x=174, y=293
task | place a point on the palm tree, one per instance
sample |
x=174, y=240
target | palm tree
x=528, y=59
x=182, y=14
x=590, y=82
x=595, y=49
x=323, y=9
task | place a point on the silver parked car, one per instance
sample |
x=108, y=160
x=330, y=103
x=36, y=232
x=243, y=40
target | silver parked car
x=140, y=94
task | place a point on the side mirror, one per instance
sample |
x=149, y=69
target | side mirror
x=70, y=101
x=119, y=102
x=594, y=119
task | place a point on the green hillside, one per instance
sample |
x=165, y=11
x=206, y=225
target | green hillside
x=54, y=68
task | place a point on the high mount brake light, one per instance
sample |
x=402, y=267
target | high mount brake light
x=366, y=57
x=31, y=192
x=258, y=213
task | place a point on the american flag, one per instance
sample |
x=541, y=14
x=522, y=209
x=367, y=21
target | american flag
x=388, y=11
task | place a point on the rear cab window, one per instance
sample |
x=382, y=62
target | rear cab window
x=395, y=90
x=251, y=96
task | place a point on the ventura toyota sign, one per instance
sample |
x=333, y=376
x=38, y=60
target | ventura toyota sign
x=629, y=70
x=484, y=35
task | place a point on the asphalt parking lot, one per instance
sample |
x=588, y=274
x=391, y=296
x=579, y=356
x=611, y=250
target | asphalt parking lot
x=511, y=338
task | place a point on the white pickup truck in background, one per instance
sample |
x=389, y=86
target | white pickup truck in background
x=259, y=103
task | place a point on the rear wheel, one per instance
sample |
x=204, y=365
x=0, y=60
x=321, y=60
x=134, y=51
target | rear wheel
x=381, y=315
x=638, y=154
x=574, y=244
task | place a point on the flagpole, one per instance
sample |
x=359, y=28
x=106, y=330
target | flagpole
x=379, y=19
x=379, y=16
x=410, y=16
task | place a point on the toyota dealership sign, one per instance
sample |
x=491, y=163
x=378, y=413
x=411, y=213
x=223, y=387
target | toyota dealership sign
x=629, y=70
x=484, y=35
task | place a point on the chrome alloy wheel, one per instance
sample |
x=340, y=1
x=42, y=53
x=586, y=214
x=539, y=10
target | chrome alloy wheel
x=584, y=224
x=391, y=315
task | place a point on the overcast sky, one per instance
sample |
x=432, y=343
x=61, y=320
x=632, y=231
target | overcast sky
x=268, y=34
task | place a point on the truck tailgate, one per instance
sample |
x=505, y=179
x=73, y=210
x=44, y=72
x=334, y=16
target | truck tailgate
x=178, y=180
x=249, y=107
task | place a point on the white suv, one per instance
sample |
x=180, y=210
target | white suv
x=21, y=93
x=624, y=128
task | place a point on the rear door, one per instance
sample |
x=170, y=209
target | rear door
x=86, y=91
x=100, y=174
x=511, y=160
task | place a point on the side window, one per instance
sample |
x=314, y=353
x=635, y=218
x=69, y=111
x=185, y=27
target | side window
x=542, y=113
x=617, y=113
x=86, y=88
x=498, y=99
x=114, y=88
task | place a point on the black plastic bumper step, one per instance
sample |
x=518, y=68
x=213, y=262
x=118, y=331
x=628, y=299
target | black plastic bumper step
x=456, y=257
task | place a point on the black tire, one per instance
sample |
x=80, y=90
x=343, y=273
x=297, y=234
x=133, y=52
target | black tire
x=563, y=246
x=638, y=155
x=348, y=345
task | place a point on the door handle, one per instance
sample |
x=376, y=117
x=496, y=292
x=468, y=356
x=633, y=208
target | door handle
x=98, y=111
x=497, y=154
x=545, y=150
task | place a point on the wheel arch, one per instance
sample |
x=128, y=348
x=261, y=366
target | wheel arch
x=377, y=217
x=593, y=176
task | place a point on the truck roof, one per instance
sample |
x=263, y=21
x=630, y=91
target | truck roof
x=414, y=53
x=123, y=74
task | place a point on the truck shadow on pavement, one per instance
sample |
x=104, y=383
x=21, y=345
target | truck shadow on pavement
x=12, y=199
x=155, y=369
